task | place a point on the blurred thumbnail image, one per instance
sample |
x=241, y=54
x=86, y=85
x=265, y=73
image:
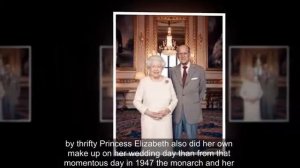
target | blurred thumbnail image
x=106, y=84
x=15, y=79
x=259, y=83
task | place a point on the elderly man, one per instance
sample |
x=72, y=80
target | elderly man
x=190, y=83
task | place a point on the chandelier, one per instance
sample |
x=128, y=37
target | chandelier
x=169, y=45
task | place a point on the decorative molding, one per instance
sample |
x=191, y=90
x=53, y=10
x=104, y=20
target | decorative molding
x=147, y=30
x=201, y=41
x=173, y=18
x=154, y=42
x=136, y=42
x=126, y=80
x=187, y=34
x=195, y=38
x=195, y=28
x=214, y=81
x=204, y=45
x=200, y=38
x=208, y=81
x=141, y=38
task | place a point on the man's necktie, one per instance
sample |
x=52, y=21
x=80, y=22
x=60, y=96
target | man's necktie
x=184, y=75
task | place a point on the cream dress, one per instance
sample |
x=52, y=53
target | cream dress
x=251, y=90
x=155, y=96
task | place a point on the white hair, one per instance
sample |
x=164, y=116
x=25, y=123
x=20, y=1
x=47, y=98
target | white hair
x=153, y=58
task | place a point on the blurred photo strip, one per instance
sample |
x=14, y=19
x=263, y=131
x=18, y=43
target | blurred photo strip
x=15, y=83
x=106, y=84
x=259, y=84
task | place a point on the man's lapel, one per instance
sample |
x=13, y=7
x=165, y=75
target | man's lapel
x=190, y=72
x=178, y=74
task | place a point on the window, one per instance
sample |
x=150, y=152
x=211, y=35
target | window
x=170, y=61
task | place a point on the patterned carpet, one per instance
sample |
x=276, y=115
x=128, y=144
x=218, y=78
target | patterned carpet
x=237, y=109
x=129, y=126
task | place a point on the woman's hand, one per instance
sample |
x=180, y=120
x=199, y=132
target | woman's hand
x=252, y=100
x=154, y=115
x=164, y=112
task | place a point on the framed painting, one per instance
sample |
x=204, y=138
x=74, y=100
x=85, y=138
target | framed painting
x=215, y=41
x=283, y=60
x=125, y=42
x=265, y=68
x=235, y=54
x=24, y=63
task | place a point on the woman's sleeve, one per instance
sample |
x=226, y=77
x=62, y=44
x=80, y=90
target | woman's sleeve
x=174, y=99
x=138, y=98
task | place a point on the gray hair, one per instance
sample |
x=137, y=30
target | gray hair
x=150, y=60
x=188, y=48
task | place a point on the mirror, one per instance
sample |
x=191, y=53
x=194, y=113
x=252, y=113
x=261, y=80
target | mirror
x=125, y=42
x=178, y=27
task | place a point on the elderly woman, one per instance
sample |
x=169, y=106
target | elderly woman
x=155, y=99
x=251, y=92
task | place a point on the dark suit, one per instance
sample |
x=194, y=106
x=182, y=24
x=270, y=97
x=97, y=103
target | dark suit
x=268, y=102
x=188, y=112
x=12, y=88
